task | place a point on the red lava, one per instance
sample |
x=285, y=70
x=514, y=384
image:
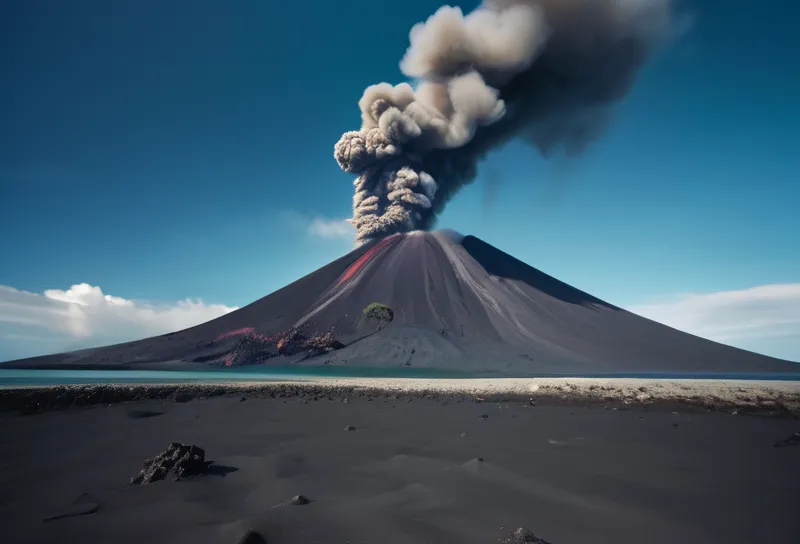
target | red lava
x=353, y=269
x=236, y=332
x=247, y=331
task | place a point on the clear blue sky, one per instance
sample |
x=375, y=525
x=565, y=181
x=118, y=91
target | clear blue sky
x=170, y=149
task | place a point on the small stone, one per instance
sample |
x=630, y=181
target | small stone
x=299, y=500
x=675, y=425
x=243, y=399
x=349, y=428
x=463, y=435
x=484, y=416
x=480, y=459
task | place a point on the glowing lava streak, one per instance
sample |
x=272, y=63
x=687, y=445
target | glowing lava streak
x=368, y=255
x=237, y=332
x=249, y=332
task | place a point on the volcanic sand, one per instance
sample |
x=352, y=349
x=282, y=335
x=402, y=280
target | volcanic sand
x=437, y=468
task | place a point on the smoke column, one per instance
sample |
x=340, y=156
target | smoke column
x=545, y=71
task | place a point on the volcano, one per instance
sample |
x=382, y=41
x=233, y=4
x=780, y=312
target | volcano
x=458, y=303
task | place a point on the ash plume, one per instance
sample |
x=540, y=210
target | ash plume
x=546, y=71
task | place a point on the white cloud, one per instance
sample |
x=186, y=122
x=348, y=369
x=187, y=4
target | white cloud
x=331, y=228
x=765, y=318
x=83, y=316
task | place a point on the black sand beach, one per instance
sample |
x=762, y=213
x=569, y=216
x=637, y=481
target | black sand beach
x=439, y=469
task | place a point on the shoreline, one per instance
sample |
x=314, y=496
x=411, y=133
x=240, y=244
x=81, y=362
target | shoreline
x=766, y=397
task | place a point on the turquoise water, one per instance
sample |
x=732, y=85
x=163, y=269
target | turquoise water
x=18, y=377
x=264, y=374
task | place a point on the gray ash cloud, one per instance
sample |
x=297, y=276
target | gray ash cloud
x=548, y=72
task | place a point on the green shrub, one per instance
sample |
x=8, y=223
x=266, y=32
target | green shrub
x=380, y=313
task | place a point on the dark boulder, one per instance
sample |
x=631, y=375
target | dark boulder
x=178, y=459
x=322, y=343
x=300, y=500
x=291, y=342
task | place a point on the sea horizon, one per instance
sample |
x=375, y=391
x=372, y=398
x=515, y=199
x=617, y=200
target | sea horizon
x=12, y=377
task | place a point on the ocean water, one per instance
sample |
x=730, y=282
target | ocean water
x=20, y=377
x=11, y=377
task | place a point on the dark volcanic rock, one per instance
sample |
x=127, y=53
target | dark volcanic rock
x=178, y=459
x=523, y=536
x=349, y=428
x=322, y=343
x=252, y=537
x=295, y=341
x=252, y=348
x=299, y=500
x=291, y=342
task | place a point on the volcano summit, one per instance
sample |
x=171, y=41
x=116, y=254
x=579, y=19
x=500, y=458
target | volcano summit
x=457, y=303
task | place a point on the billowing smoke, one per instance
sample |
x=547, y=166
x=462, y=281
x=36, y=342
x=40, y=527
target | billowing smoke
x=546, y=71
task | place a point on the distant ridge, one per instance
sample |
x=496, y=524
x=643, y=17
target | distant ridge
x=458, y=303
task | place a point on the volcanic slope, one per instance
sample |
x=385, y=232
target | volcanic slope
x=458, y=303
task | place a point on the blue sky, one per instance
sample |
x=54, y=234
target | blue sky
x=159, y=154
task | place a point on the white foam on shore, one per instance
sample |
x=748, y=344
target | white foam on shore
x=745, y=393
x=544, y=385
x=758, y=394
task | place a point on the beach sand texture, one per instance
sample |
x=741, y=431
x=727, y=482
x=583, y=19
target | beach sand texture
x=435, y=467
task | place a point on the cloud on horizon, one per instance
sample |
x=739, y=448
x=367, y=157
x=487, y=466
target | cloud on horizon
x=83, y=316
x=764, y=318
